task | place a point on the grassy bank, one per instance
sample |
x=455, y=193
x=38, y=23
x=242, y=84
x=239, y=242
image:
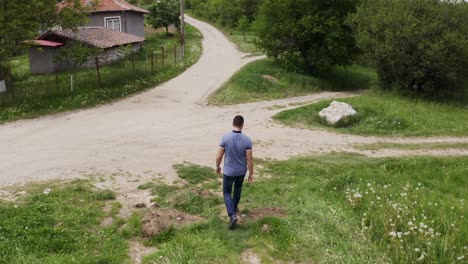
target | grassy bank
x=266, y=80
x=37, y=95
x=60, y=223
x=335, y=209
x=415, y=146
x=386, y=114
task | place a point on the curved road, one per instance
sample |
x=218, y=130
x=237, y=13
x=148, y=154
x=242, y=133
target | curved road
x=149, y=132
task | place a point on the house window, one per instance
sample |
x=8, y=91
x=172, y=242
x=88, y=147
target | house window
x=113, y=22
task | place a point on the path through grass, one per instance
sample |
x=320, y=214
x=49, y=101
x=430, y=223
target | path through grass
x=339, y=209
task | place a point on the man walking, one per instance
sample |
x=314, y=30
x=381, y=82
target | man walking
x=237, y=151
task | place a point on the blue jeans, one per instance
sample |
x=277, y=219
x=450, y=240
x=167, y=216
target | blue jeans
x=230, y=201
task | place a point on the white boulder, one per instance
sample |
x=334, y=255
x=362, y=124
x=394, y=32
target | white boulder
x=337, y=111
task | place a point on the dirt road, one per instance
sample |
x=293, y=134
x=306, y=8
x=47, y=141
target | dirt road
x=151, y=131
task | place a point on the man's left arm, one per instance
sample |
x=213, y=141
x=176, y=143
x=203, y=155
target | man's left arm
x=219, y=158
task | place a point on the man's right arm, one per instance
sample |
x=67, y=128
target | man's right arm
x=250, y=164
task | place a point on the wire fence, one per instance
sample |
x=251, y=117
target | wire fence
x=20, y=85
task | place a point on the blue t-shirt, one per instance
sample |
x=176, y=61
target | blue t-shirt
x=235, y=145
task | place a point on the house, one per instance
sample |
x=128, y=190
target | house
x=112, y=24
x=115, y=14
x=42, y=56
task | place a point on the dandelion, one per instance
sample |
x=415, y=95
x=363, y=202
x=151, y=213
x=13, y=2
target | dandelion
x=416, y=249
x=410, y=223
x=392, y=234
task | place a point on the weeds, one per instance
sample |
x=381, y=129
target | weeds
x=60, y=225
x=195, y=174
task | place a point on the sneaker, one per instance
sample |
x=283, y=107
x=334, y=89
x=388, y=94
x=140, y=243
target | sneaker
x=232, y=222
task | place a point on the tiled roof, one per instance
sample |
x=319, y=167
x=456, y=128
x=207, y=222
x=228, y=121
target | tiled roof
x=96, y=36
x=109, y=5
x=45, y=43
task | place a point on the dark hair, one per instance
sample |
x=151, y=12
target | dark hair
x=238, y=121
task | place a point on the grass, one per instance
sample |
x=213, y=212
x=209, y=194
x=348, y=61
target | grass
x=411, y=146
x=190, y=197
x=382, y=113
x=246, y=44
x=194, y=173
x=250, y=85
x=340, y=209
x=37, y=95
x=62, y=226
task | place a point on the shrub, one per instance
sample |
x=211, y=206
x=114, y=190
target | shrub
x=305, y=34
x=419, y=45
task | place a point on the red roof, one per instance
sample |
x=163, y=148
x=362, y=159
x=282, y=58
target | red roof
x=45, y=43
x=108, y=5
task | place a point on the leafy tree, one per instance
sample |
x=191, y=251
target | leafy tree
x=164, y=13
x=75, y=54
x=243, y=25
x=22, y=20
x=306, y=34
x=420, y=45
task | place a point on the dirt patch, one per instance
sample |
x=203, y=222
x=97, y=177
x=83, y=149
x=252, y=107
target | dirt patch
x=249, y=257
x=157, y=220
x=263, y=212
x=137, y=251
x=107, y=222
x=270, y=78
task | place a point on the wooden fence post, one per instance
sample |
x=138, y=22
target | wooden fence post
x=98, y=73
x=152, y=62
x=56, y=78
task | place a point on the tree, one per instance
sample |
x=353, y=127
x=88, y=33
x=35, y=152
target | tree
x=420, y=45
x=243, y=25
x=75, y=54
x=306, y=35
x=164, y=13
x=21, y=20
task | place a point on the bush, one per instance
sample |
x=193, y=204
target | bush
x=420, y=45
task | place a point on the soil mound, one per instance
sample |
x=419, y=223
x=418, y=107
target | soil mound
x=263, y=212
x=157, y=220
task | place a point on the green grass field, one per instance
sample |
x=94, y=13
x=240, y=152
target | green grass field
x=250, y=85
x=338, y=209
x=37, y=95
x=381, y=113
x=62, y=226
